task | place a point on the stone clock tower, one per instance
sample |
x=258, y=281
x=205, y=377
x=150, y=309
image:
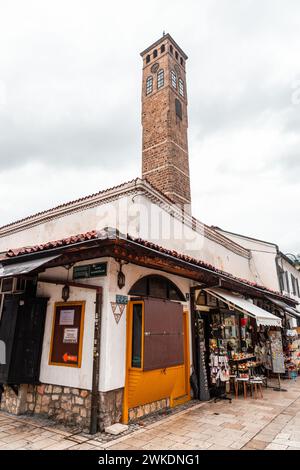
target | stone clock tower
x=165, y=122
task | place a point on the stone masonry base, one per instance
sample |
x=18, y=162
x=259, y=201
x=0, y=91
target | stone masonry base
x=149, y=408
x=66, y=405
x=72, y=406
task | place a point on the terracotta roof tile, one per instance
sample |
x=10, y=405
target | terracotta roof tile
x=112, y=233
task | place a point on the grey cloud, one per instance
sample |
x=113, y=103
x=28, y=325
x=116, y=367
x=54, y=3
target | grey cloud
x=72, y=73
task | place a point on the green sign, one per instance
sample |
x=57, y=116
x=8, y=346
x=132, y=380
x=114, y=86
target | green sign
x=122, y=299
x=90, y=270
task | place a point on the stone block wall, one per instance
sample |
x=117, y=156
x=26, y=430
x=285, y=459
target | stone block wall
x=149, y=408
x=111, y=406
x=67, y=405
x=12, y=402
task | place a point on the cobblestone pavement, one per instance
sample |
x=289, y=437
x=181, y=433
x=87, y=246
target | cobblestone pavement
x=269, y=423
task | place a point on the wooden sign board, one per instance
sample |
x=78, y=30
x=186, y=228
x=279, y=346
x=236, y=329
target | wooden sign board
x=90, y=270
x=67, y=334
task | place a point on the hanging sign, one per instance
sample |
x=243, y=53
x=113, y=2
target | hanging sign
x=90, y=270
x=277, y=357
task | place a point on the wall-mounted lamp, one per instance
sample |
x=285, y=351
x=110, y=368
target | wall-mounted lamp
x=65, y=293
x=121, y=275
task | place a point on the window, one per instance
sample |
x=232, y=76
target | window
x=147, y=59
x=286, y=284
x=155, y=53
x=281, y=279
x=160, y=78
x=181, y=61
x=295, y=286
x=149, y=85
x=180, y=87
x=178, y=108
x=173, y=79
x=171, y=49
x=7, y=284
x=137, y=330
x=176, y=55
x=162, y=49
x=157, y=286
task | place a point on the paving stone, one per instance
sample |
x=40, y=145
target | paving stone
x=116, y=429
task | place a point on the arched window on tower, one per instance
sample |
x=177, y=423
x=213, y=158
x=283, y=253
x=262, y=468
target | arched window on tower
x=149, y=85
x=162, y=49
x=181, y=87
x=173, y=79
x=160, y=79
x=171, y=49
x=155, y=53
x=148, y=58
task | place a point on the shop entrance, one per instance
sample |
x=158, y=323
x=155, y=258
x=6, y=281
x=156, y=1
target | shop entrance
x=157, y=355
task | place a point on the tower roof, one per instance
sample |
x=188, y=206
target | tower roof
x=163, y=38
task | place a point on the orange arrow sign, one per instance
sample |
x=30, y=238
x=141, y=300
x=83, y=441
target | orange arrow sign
x=68, y=358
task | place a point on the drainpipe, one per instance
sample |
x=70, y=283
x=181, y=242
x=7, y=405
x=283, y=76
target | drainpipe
x=277, y=258
x=95, y=408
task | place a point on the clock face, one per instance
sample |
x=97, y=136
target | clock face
x=155, y=67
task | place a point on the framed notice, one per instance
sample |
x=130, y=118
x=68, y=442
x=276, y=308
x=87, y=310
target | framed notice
x=67, y=334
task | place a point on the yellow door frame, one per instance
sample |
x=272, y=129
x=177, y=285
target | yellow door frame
x=128, y=357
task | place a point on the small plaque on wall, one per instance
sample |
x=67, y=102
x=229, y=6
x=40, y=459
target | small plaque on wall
x=67, y=334
x=90, y=270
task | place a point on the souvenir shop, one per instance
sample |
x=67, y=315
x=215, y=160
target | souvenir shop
x=290, y=334
x=242, y=343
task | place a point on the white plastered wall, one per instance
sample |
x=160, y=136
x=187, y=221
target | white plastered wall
x=113, y=335
x=140, y=217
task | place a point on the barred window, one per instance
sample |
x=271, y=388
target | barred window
x=149, y=85
x=174, y=79
x=160, y=78
x=180, y=86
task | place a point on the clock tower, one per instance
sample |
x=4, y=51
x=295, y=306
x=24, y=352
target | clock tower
x=164, y=119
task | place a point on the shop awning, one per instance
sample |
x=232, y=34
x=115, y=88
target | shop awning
x=18, y=269
x=290, y=310
x=262, y=316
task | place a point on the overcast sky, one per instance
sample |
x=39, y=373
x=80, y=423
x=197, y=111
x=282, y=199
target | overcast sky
x=70, y=88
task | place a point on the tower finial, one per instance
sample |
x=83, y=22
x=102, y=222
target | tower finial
x=164, y=33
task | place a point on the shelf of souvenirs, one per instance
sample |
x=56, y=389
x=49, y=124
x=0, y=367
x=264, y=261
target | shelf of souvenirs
x=241, y=357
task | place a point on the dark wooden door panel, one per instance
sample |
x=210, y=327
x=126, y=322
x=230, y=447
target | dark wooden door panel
x=163, y=334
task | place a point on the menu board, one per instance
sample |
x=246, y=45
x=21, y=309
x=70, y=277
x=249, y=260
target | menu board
x=277, y=357
x=67, y=334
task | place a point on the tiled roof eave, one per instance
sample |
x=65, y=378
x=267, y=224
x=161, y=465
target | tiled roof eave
x=111, y=234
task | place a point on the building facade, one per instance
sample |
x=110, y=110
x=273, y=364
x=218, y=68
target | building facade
x=99, y=296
